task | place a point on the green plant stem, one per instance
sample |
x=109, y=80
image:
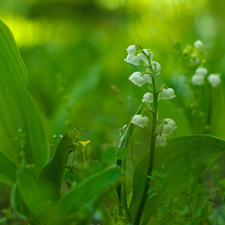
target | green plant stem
x=85, y=166
x=152, y=149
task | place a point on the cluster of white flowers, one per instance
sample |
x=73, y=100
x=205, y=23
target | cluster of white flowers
x=152, y=68
x=135, y=57
x=168, y=127
x=199, y=76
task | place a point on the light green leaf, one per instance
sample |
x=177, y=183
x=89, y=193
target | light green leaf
x=7, y=170
x=122, y=153
x=18, y=110
x=51, y=175
x=78, y=204
x=184, y=160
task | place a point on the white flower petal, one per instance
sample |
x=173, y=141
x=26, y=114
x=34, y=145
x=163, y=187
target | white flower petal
x=131, y=50
x=169, y=126
x=201, y=71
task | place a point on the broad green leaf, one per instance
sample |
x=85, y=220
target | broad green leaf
x=122, y=153
x=87, y=82
x=184, y=159
x=7, y=170
x=51, y=175
x=78, y=204
x=109, y=155
x=18, y=111
x=13, y=94
x=33, y=198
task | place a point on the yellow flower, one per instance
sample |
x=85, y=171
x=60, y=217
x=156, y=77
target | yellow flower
x=83, y=144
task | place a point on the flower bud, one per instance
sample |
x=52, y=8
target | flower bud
x=160, y=140
x=169, y=126
x=141, y=121
x=166, y=94
x=214, y=80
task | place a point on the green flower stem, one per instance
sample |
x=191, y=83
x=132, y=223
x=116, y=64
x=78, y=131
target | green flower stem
x=152, y=149
x=121, y=189
x=85, y=166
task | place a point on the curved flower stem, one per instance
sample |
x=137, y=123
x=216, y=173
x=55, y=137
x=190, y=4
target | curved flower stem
x=151, y=160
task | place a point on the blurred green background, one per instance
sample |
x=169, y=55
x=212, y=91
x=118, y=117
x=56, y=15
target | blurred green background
x=74, y=52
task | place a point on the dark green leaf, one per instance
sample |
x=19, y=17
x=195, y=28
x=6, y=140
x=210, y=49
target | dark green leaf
x=102, y=165
x=7, y=170
x=184, y=160
x=108, y=158
x=188, y=201
x=122, y=153
x=51, y=175
x=78, y=204
x=111, y=151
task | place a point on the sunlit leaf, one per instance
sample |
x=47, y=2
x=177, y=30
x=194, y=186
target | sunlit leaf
x=18, y=110
x=184, y=160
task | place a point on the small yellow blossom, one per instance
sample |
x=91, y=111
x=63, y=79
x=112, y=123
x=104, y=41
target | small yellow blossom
x=84, y=143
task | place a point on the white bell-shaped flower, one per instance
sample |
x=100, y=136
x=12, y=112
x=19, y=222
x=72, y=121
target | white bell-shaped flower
x=137, y=79
x=156, y=67
x=166, y=94
x=139, y=120
x=131, y=50
x=160, y=140
x=198, y=79
x=147, y=78
x=131, y=58
x=201, y=71
x=198, y=45
x=214, y=80
x=148, y=97
x=169, y=126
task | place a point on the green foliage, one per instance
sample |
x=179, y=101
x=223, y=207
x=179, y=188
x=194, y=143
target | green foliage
x=50, y=177
x=184, y=160
x=111, y=156
x=17, y=107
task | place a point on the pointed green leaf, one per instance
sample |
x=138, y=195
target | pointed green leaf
x=122, y=153
x=51, y=175
x=184, y=160
x=78, y=204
